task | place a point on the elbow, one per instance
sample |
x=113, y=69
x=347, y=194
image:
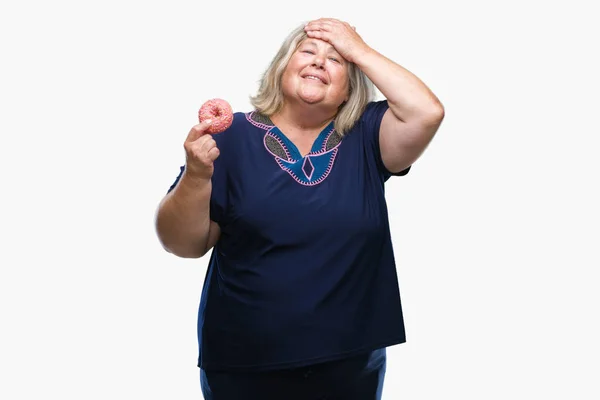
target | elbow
x=440, y=113
x=435, y=114
x=427, y=117
x=182, y=251
x=432, y=118
x=187, y=253
x=180, y=248
x=174, y=240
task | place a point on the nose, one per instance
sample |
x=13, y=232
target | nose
x=319, y=61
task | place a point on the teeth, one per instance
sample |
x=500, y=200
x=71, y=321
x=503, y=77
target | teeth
x=313, y=77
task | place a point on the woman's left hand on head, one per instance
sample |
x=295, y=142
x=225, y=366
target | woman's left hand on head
x=341, y=35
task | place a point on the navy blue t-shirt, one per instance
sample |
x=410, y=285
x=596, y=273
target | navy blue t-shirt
x=304, y=270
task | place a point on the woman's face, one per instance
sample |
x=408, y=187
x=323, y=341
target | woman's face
x=316, y=74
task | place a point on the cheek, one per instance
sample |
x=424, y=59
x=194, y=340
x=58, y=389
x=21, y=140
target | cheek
x=288, y=81
x=290, y=70
x=344, y=83
x=341, y=75
x=294, y=63
x=287, y=74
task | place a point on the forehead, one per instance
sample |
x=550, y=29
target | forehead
x=317, y=43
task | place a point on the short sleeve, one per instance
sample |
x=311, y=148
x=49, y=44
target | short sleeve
x=181, y=169
x=371, y=122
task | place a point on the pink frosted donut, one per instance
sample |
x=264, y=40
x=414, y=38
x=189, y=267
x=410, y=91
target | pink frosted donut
x=219, y=111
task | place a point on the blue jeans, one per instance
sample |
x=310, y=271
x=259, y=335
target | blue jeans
x=355, y=378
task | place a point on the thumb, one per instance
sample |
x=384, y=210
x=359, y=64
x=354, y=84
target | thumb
x=198, y=130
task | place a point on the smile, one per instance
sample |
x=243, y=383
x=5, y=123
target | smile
x=315, y=78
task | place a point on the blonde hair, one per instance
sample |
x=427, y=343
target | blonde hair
x=269, y=98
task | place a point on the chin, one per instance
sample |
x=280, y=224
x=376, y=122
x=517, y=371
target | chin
x=311, y=98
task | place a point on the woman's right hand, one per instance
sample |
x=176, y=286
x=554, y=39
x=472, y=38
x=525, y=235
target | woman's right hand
x=201, y=151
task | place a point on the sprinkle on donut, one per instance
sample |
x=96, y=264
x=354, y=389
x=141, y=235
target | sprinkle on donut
x=219, y=111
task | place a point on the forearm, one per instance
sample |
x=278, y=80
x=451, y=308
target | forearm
x=183, y=218
x=408, y=97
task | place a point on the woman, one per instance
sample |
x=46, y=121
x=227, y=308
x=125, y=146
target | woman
x=301, y=295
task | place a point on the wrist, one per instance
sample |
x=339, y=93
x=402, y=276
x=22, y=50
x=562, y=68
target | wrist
x=194, y=181
x=362, y=56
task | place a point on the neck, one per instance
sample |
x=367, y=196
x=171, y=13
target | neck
x=307, y=118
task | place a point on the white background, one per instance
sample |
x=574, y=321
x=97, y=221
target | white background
x=495, y=228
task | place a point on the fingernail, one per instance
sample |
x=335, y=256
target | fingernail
x=208, y=121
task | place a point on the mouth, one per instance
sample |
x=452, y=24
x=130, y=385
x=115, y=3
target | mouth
x=316, y=78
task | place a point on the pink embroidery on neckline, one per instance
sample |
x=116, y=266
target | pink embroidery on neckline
x=306, y=163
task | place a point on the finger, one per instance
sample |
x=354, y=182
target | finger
x=206, y=145
x=198, y=131
x=213, y=154
x=332, y=22
x=317, y=25
x=327, y=26
x=200, y=145
x=196, y=147
x=318, y=35
x=312, y=27
x=329, y=20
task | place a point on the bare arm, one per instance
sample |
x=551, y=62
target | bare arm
x=414, y=116
x=415, y=113
x=183, y=222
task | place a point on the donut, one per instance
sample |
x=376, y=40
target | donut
x=219, y=111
